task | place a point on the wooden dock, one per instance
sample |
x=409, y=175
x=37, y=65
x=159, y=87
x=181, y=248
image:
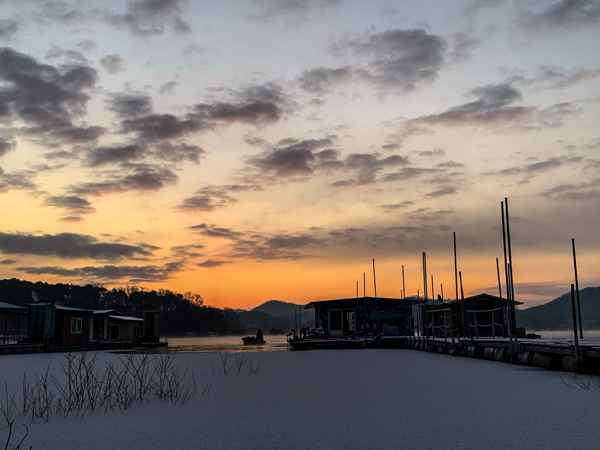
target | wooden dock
x=554, y=354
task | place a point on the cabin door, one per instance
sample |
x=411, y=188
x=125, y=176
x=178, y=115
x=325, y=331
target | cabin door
x=341, y=321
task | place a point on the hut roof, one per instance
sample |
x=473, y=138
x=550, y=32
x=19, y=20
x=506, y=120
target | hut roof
x=7, y=308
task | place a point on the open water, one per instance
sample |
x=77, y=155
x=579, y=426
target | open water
x=221, y=344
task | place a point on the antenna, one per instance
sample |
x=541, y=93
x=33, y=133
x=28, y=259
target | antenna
x=35, y=296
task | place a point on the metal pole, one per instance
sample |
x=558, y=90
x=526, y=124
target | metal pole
x=577, y=291
x=501, y=305
x=512, y=267
x=506, y=278
x=456, y=284
x=462, y=300
x=442, y=289
x=375, y=287
x=432, y=294
x=365, y=303
x=577, y=361
x=403, y=286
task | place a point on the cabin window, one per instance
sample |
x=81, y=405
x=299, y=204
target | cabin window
x=76, y=323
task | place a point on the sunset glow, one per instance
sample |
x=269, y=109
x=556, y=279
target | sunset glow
x=261, y=149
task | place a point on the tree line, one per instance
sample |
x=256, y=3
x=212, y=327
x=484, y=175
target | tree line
x=180, y=313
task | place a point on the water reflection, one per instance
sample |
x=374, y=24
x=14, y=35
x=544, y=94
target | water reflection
x=225, y=344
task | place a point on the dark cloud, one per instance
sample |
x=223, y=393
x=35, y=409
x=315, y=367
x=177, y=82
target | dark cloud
x=8, y=28
x=76, y=206
x=72, y=56
x=368, y=165
x=110, y=273
x=168, y=88
x=539, y=166
x=150, y=17
x=254, y=105
x=69, y=246
x=18, y=180
x=209, y=263
x=321, y=79
x=108, y=155
x=297, y=158
x=215, y=231
x=443, y=191
x=462, y=46
x=8, y=262
x=293, y=12
x=434, y=152
x=576, y=192
x=113, y=64
x=189, y=251
x=561, y=16
x=449, y=165
x=48, y=100
x=211, y=198
x=396, y=206
x=557, y=77
x=141, y=178
x=491, y=108
x=409, y=173
x=130, y=105
x=6, y=146
x=403, y=60
x=279, y=246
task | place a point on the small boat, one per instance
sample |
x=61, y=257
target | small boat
x=254, y=340
x=251, y=340
x=334, y=343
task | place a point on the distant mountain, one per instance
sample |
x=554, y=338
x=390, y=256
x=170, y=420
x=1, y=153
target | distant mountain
x=277, y=308
x=557, y=314
x=275, y=315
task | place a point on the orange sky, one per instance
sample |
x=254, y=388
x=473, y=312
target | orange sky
x=249, y=151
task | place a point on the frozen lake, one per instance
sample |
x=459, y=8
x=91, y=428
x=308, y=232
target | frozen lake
x=333, y=399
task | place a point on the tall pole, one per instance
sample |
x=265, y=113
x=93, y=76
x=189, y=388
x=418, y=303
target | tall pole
x=499, y=285
x=512, y=268
x=506, y=278
x=365, y=321
x=425, y=277
x=403, y=286
x=462, y=300
x=442, y=289
x=375, y=288
x=456, y=281
x=575, y=326
x=577, y=291
x=432, y=294
x=356, y=288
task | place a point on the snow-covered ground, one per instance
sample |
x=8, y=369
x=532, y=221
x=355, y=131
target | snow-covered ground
x=330, y=399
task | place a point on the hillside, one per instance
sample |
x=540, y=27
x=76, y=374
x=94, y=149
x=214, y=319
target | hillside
x=275, y=315
x=557, y=315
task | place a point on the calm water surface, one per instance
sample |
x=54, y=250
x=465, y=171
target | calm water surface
x=225, y=344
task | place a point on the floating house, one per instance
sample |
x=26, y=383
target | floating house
x=481, y=315
x=390, y=316
x=111, y=325
x=73, y=326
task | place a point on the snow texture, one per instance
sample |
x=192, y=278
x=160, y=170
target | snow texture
x=331, y=399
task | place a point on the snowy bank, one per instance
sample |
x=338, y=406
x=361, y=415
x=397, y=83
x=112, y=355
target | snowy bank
x=352, y=399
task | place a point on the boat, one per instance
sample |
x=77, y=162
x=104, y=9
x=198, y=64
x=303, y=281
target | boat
x=352, y=342
x=251, y=340
x=254, y=340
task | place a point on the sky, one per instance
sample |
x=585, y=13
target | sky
x=271, y=149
